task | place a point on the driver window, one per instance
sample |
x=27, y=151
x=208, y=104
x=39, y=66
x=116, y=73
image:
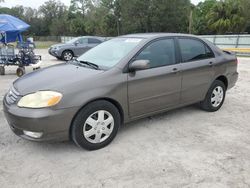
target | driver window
x=159, y=53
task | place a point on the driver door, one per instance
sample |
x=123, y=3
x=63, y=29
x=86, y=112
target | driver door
x=81, y=46
x=158, y=87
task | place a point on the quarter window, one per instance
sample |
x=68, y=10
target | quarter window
x=193, y=50
x=159, y=53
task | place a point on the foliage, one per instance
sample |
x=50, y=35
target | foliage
x=200, y=17
x=226, y=17
x=113, y=17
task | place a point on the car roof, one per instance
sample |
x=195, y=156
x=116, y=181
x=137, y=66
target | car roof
x=97, y=37
x=152, y=36
x=156, y=35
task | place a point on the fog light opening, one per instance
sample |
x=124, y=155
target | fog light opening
x=33, y=134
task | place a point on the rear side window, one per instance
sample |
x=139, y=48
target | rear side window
x=94, y=41
x=193, y=50
x=159, y=53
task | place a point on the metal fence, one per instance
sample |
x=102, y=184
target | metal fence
x=66, y=38
x=44, y=38
x=237, y=43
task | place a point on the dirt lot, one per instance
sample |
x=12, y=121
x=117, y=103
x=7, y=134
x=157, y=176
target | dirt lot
x=182, y=148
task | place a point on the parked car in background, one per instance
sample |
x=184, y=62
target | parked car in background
x=121, y=80
x=75, y=47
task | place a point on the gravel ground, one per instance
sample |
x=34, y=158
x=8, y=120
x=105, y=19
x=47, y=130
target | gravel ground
x=186, y=147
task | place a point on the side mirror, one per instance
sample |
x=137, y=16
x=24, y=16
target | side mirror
x=76, y=43
x=139, y=65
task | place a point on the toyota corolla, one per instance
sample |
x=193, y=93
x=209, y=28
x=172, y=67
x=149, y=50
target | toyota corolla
x=121, y=80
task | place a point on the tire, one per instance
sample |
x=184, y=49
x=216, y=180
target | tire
x=215, y=97
x=20, y=71
x=95, y=133
x=67, y=55
x=2, y=70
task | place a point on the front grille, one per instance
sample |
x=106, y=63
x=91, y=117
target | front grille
x=12, y=96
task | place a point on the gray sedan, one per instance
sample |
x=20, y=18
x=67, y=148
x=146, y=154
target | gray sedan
x=75, y=47
x=121, y=80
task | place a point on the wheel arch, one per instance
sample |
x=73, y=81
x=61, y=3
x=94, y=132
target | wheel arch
x=223, y=79
x=112, y=101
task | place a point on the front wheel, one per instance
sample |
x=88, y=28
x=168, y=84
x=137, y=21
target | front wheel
x=215, y=97
x=20, y=71
x=67, y=55
x=96, y=125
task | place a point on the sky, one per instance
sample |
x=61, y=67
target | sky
x=37, y=3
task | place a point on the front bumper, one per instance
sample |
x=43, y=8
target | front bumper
x=54, y=53
x=53, y=124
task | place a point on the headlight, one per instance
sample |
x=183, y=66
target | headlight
x=40, y=99
x=56, y=48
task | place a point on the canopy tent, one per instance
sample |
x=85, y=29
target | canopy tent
x=11, y=28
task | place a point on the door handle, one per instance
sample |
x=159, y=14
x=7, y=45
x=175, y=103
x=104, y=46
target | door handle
x=175, y=70
x=211, y=64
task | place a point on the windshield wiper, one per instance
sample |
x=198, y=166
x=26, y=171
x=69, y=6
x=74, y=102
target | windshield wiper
x=92, y=65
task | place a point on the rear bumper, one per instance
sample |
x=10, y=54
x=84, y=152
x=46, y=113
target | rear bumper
x=53, y=124
x=232, y=79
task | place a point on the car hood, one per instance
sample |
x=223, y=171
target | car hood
x=54, y=78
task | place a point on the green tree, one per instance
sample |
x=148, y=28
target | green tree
x=112, y=16
x=155, y=15
x=227, y=17
x=76, y=16
x=246, y=7
x=200, y=21
x=80, y=6
x=51, y=11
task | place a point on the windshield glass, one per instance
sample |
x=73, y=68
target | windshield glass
x=109, y=53
x=72, y=40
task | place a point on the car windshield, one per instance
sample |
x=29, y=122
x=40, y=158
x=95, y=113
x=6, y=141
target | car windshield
x=72, y=40
x=111, y=52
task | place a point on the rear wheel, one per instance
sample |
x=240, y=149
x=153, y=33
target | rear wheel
x=20, y=71
x=215, y=97
x=96, y=125
x=2, y=70
x=67, y=55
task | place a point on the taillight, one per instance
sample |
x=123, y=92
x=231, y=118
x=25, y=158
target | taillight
x=237, y=61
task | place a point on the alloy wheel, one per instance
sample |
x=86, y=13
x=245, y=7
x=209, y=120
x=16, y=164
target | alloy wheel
x=217, y=96
x=68, y=56
x=98, y=126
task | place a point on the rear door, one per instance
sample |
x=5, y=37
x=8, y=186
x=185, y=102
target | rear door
x=197, y=66
x=158, y=87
